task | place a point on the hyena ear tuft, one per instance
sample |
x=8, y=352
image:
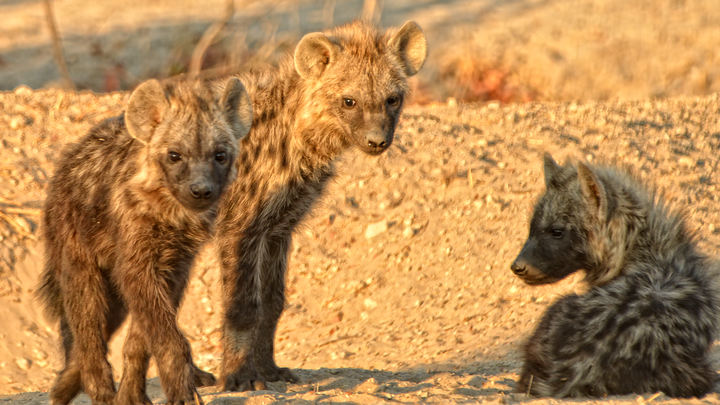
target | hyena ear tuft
x=314, y=54
x=552, y=169
x=145, y=110
x=409, y=44
x=238, y=108
x=593, y=192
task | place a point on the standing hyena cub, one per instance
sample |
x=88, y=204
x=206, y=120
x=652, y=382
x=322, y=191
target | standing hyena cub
x=649, y=318
x=127, y=210
x=343, y=88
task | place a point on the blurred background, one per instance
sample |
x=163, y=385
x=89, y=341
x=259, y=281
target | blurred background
x=506, y=50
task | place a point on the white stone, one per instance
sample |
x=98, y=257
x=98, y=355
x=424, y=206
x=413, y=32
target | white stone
x=376, y=229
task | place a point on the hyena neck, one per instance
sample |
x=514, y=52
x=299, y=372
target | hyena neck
x=639, y=225
x=306, y=142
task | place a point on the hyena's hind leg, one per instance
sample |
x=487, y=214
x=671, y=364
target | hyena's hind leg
x=95, y=318
x=273, y=301
x=67, y=385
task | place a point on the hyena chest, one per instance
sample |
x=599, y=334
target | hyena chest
x=285, y=207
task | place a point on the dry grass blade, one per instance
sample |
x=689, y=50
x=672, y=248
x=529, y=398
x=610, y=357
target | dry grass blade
x=207, y=39
x=57, y=46
x=22, y=211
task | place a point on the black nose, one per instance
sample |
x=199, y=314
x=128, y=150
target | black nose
x=519, y=268
x=201, y=191
x=376, y=140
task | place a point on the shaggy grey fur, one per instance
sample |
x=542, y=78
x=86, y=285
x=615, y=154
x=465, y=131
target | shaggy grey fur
x=649, y=317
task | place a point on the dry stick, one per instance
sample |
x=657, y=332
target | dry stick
x=57, y=46
x=329, y=13
x=372, y=10
x=530, y=385
x=207, y=39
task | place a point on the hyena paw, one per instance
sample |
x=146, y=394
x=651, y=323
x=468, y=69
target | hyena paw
x=275, y=373
x=203, y=378
x=243, y=380
x=66, y=387
x=191, y=398
x=124, y=398
x=99, y=385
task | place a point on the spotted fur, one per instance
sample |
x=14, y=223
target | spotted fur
x=649, y=318
x=127, y=210
x=342, y=88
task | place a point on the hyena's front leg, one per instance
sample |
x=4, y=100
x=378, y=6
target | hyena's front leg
x=153, y=299
x=273, y=302
x=136, y=358
x=241, y=299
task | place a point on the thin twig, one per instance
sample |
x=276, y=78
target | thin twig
x=207, y=39
x=22, y=211
x=57, y=46
x=530, y=385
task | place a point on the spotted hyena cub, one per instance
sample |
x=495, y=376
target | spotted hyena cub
x=127, y=210
x=343, y=88
x=649, y=318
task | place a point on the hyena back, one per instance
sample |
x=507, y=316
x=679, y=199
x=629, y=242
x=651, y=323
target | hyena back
x=649, y=318
x=342, y=88
x=127, y=210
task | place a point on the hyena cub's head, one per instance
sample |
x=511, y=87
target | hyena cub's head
x=564, y=226
x=356, y=80
x=191, y=133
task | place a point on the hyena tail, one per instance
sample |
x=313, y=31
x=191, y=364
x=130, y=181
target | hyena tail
x=49, y=294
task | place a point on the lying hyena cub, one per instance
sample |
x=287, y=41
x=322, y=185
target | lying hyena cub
x=343, y=88
x=126, y=212
x=650, y=316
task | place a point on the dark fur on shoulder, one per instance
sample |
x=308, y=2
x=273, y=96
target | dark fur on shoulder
x=127, y=210
x=649, y=318
x=342, y=88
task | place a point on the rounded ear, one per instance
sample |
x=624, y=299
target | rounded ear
x=314, y=54
x=551, y=169
x=593, y=193
x=238, y=107
x=145, y=110
x=410, y=46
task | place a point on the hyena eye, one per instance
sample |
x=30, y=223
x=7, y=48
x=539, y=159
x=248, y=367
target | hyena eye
x=349, y=103
x=557, y=233
x=174, y=157
x=220, y=157
x=393, y=101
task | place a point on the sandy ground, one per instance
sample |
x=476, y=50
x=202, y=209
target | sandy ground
x=399, y=288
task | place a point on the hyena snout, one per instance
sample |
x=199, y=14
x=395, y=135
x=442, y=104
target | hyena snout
x=523, y=266
x=527, y=272
x=519, y=267
x=376, y=140
x=201, y=191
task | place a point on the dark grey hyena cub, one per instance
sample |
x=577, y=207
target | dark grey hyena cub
x=127, y=210
x=342, y=88
x=649, y=318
